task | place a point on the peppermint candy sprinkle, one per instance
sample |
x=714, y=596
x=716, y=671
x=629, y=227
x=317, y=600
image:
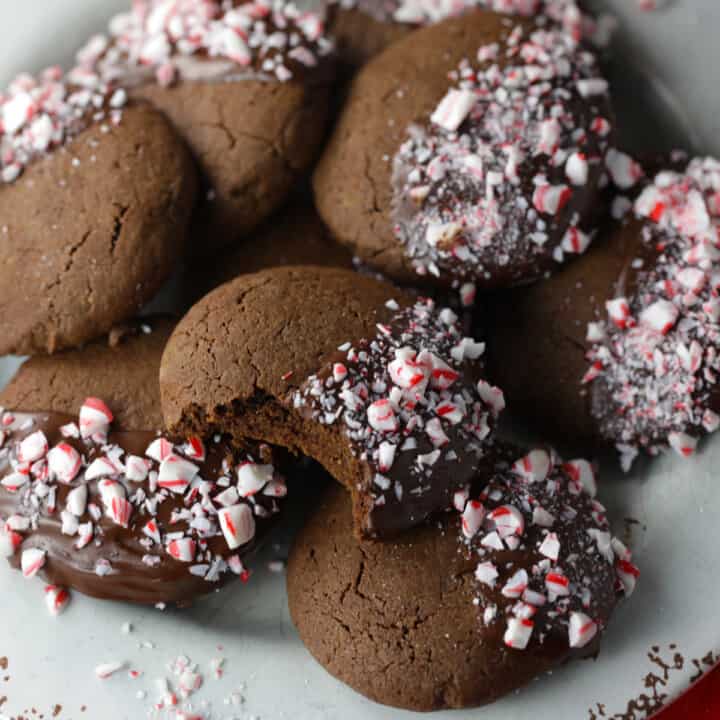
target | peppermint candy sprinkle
x=167, y=40
x=163, y=506
x=407, y=405
x=38, y=115
x=654, y=359
x=548, y=566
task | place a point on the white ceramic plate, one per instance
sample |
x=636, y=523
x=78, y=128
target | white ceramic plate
x=659, y=641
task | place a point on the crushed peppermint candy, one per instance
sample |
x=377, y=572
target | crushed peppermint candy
x=491, y=188
x=655, y=357
x=90, y=497
x=168, y=40
x=413, y=409
x=566, y=13
x=555, y=572
x=40, y=114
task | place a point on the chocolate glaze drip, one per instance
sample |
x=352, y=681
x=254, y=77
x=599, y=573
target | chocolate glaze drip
x=131, y=579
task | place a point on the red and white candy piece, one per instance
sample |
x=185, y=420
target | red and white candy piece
x=472, y=518
x=516, y=585
x=31, y=561
x=106, y=670
x=618, y=311
x=627, y=574
x=151, y=530
x=550, y=199
x=14, y=481
x=10, y=542
x=492, y=396
x=101, y=467
x=508, y=520
x=486, y=573
x=57, y=599
x=682, y=443
x=624, y=171
x=581, y=472
x=33, y=447
x=85, y=535
x=557, y=584
x=95, y=417
x=381, y=416
x=535, y=466
x=550, y=547
x=176, y=474
x=238, y=525
x=136, y=468
x=581, y=630
x=253, y=477
x=453, y=109
x=575, y=241
x=339, y=372
x=518, y=633
x=661, y=316
x=160, y=449
x=64, y=462
x=194, y=449
x=76, y=502
x=182, y=549
x=120, y=511
x=386, y=456
x=576, y=168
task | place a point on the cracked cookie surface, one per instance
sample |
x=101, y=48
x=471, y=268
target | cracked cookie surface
x=251, y=140
x=90, y=232
x=419, y=623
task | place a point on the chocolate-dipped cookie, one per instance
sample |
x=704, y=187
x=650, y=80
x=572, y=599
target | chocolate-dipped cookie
x=245, y=84
x=471, y=151
x=621, y=347
x=364, y=28
x=95, y=198
x=521, y=578
x=379, y=387
x=129, y=513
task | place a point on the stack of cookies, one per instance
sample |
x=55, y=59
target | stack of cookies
x=389, y=220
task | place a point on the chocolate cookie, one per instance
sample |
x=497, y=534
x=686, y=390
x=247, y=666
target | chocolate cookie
x=294, y=236
x=122, y=369
x=622, y=346
x=364, y=28
x=128, y=515
x=470, y=151
x=379, y=387
x=460, y=612
x=96, y=198
x=245, y=84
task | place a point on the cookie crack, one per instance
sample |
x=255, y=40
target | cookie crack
x=118, y=223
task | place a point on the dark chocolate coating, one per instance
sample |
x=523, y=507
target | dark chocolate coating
x=131, y=580
x=537, y=339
